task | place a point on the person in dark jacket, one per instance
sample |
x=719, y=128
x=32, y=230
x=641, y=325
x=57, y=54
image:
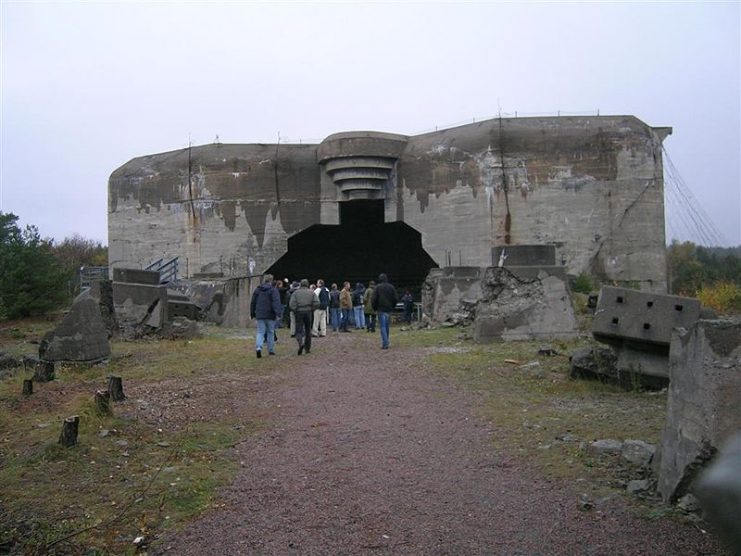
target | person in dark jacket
x=357, y=306
x=265, y=307
x=383, y=301
x=303, y=304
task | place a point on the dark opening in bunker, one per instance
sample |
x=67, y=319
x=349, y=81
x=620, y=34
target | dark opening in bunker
x=357, y=250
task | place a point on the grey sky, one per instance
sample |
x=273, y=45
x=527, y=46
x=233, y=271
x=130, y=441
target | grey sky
x=87, y=86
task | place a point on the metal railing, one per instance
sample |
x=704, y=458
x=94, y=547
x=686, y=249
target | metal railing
x=168, y=269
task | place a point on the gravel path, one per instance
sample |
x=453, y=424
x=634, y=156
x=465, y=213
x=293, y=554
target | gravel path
x=371, y=454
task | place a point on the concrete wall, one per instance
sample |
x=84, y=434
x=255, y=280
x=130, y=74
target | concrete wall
x=590, y=186
x=703, y=405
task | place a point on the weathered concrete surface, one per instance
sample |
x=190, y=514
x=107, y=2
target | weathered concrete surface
x=516, y=309
x=638, y=325
x=138, y=305
x=223, y=301
x=590, y=186
x=446, y=289
x=81, y=337
x=136, y=276
x=704, y=399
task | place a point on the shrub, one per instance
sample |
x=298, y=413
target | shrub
x=583, y=283
x=723, y=297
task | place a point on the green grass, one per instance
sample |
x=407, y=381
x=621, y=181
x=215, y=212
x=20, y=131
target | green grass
x=135, y=479
x=533, y=410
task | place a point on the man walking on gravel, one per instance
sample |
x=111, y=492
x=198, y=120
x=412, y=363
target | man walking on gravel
x=265, y=307
x=383, y=301
x=303, y=303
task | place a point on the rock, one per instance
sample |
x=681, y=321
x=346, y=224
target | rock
x=585, y=503
x=534, y=369
x=688, y=503
x=180, y=328
x=603, y=447
x=638, y=452
x=594, y=362
x=568, y=437
x=636, y=487
x=82, y=336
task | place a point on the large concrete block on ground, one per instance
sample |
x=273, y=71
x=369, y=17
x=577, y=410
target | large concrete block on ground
x=704, y=401
x=224, y=301
x=639, y=326
x=447, y=288
x=517, y=309
x=625, y=314
x=81, y=337
x=139, y=304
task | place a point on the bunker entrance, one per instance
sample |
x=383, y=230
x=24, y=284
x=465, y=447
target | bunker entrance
x=357, y=250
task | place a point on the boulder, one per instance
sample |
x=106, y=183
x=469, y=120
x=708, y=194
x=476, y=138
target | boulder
x=82, y=336
x=638, y=452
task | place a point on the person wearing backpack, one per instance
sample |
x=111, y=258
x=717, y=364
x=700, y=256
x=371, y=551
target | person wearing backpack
x=320, y=314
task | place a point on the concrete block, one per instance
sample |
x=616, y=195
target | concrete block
x=82, y=336
x=524, y=255
x=626, y=314
x=136, y=276
x=135, y=304
x=703, y=401
x=515, y=309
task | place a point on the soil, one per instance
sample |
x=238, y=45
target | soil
x=368, y=452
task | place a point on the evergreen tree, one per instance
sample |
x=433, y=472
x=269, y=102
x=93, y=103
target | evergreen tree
x=31, y=281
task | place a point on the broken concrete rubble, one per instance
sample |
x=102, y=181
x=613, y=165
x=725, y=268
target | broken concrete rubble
x=514, y=308
x=139, y=301
x=703, y=403
x=81, y=337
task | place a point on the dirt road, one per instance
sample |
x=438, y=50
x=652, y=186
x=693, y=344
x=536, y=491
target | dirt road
x=371, y=453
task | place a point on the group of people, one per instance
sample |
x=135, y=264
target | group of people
x=311, y=307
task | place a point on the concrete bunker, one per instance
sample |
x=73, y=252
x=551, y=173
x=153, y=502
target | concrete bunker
x=358, y=249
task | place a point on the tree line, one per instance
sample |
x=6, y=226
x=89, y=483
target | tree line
x=712, y=274
x=38, y=275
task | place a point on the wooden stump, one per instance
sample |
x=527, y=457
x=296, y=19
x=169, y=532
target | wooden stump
x=44, y=371
x=115, y=388
x=68, y=436
x=103, y=402
x=27, y=387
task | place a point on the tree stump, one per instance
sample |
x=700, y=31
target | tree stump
x=68, y=436
x=103, y=402
x=43, y=371
x=27, y=387
x=115, y=388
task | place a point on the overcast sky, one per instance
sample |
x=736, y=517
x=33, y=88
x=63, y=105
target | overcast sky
x=87, y=86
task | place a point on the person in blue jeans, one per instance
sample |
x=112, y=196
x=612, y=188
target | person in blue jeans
x=383, y=301
x=334, y=308
x=357, y=306
x=265, y=307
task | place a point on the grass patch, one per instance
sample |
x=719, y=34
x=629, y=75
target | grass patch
x=128, y=475
x=539, y=412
